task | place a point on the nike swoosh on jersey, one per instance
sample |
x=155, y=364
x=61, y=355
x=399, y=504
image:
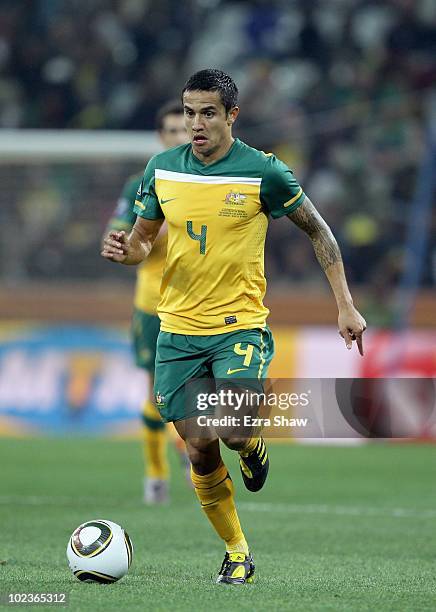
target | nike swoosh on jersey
x=162, y=202
x=229, y=371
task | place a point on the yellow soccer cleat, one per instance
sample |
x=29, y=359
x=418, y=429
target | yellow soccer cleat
x=237, y=568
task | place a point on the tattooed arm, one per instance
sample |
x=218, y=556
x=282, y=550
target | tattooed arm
x=351, y=323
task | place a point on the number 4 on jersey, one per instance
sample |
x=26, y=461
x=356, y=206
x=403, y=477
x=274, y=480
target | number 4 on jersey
x=200, y=237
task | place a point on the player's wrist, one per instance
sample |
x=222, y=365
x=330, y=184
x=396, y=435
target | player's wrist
x=130, y=260
x=345, y=304
x=135, y=256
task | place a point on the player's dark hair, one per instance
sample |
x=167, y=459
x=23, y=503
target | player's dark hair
x=173, y=107
x=212, y=79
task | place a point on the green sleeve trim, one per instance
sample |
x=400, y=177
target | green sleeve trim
x=147, y=204
x=151, y=214
x=150, y=217
x=276, y=214
x=280, y=191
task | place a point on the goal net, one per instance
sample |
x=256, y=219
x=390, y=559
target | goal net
x=58, y=191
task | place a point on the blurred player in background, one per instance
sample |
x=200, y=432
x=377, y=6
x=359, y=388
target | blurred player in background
x=216, y=194
x=145, y=324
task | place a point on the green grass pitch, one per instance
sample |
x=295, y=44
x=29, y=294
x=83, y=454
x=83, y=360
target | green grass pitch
x=335, y=528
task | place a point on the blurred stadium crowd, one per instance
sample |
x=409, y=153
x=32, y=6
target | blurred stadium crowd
x=339, y=89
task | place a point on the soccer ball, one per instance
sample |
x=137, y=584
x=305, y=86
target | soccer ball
x=99, y=551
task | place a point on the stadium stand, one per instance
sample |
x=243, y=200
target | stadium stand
x=340, y=91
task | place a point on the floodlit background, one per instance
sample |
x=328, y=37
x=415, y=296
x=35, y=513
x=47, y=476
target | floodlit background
x=341, y=91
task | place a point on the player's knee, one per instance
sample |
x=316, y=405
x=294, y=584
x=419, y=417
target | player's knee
x=195, y=457
x=199, y=457
x=234, y=442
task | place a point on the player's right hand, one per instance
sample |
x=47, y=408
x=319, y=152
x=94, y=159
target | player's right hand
x=115, y=246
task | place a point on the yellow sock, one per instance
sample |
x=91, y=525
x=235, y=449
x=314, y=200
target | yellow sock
x=215, y=493
x=155, y=443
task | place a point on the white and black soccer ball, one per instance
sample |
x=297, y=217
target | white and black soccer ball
x=99, y=551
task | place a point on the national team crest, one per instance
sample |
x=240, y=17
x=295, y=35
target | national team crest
x=234, y=197
x=160, y=399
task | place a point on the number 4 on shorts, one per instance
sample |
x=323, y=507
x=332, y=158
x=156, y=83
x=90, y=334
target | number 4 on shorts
x=200, y=237
x=247, y=353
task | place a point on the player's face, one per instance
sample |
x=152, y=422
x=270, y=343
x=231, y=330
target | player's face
x=209, y=126
x=173, y=132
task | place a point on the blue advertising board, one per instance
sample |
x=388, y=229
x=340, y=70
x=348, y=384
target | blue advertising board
x=68, y=380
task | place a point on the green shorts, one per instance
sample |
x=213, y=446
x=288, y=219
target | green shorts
x=145, y=330
x=239, y=355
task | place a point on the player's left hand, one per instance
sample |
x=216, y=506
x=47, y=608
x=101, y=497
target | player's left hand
x=351, y=327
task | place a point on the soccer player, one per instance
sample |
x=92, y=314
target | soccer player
x=145, y=324
x=216, y=194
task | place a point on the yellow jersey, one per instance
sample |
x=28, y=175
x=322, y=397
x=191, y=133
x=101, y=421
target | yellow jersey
x=217, y=217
